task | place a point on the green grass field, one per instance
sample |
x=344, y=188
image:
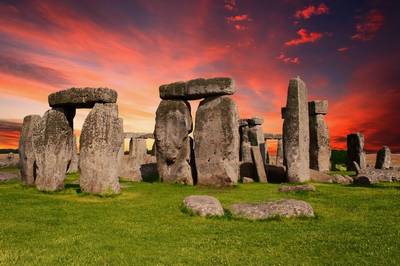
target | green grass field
x=145, y=226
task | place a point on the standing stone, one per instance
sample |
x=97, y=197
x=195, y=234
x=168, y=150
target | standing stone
x=267, y=160
x=74, y=164
x=100, y=144
x=258, y=162
x=245, y=146
x=296, y=139
x=173, y=125
x=320, y=151
x=216, y=139
x=26, y=153
x=355, y=151
x=279, y=153
x=130, y=164
x=383, y=158
x=256, y=135
x=52, y=145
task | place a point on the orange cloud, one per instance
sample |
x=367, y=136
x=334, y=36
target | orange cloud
x=311, y=10
x=368, y=25
x=238, y=18
x=305, y=37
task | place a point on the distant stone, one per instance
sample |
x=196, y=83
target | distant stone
x=203, y=205
x=247, y=180
x=82, y=97
x=173, y=125
x=243, y=122
x=279, y=153
x=383, y=158
x=216, y=138
x=344, y=180
x=52, y=145
x=355, y=151
x=282, y=208
x=318, y=107
x=25, y=149
x=131, y=164
x=307, y=187
x=100, y=144
x=296, y=139
x=272, y=136
x=255, y=121
x=320, y=177
x=74, y=163
x=197, y=89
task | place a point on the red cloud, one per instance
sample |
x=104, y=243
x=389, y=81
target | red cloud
x=309, y=11
x=237, y=18
x=305, y=37
x=240, y=27
x=230, y=5
x=368, y=25
x=342, y=49
x=292, y=60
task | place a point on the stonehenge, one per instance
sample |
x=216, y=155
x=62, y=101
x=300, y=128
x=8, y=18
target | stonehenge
x=25, y=149
x=213, y=159
x=355, y=151
x=320, y=151
x=296, y=139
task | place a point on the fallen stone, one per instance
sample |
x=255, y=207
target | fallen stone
x=383, y=158
x=173, y=125
x=307, y=187
x=203, y=205
x=197, y=89
x=216, y=138
x=4, y=176
x=52, y=145
x=25, y=149
x=296, y=140
x=344, y=180
x=320, y=177
x=258, y=162
x=364, y=180
x=100, y=144
x=82, y=97
x=355, y=151
x=282, y=208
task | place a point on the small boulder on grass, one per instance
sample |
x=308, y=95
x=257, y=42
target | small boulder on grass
x=365, y=180
x=307, y=187
x=203, y=205
x=282, y=208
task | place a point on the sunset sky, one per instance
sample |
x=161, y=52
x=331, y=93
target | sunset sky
x=346, y=51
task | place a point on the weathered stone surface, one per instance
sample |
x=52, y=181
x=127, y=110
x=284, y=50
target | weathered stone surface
x=318, y=107
x=272, y=136
x=320, y=151
x=307, y=187
x=279, y=153
x=25, y=149
x=82, y=97
x=74, y=164
x=355, y=151
x=52, y=146
x=247, y=180
x=197, y=89
x=259, y=164
x=282, y=208
x=381, y=175
x=100, y=144
x=216, y=139
x=256, y=137
x=243, y=122
x=131, y=164
x=296, y=139
x=344, y=180
x=320, y=177
x=383, y=158
x=173, y=125
x=245, y=146
x=4, y=176
x=203, y=205
x=138, y=135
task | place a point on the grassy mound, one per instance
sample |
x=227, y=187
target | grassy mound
x=146, y=226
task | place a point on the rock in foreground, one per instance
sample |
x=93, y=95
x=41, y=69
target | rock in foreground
x=282, y=208
x=203, y=205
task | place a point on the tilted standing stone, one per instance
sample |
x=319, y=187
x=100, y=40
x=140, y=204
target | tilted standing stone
x=100, y=144
x=296, y=139
x=25, y=149
x=259, y=164
x=130, y=165
x=279, y=153
x=355, y=151
x=74, y=164
x=216, y=139
x=52, y=145
x=383, y=158
x=256, y=135
x=173, y=125
x=320, y=151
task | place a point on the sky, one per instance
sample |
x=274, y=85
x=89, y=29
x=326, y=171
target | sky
x=347, y=52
